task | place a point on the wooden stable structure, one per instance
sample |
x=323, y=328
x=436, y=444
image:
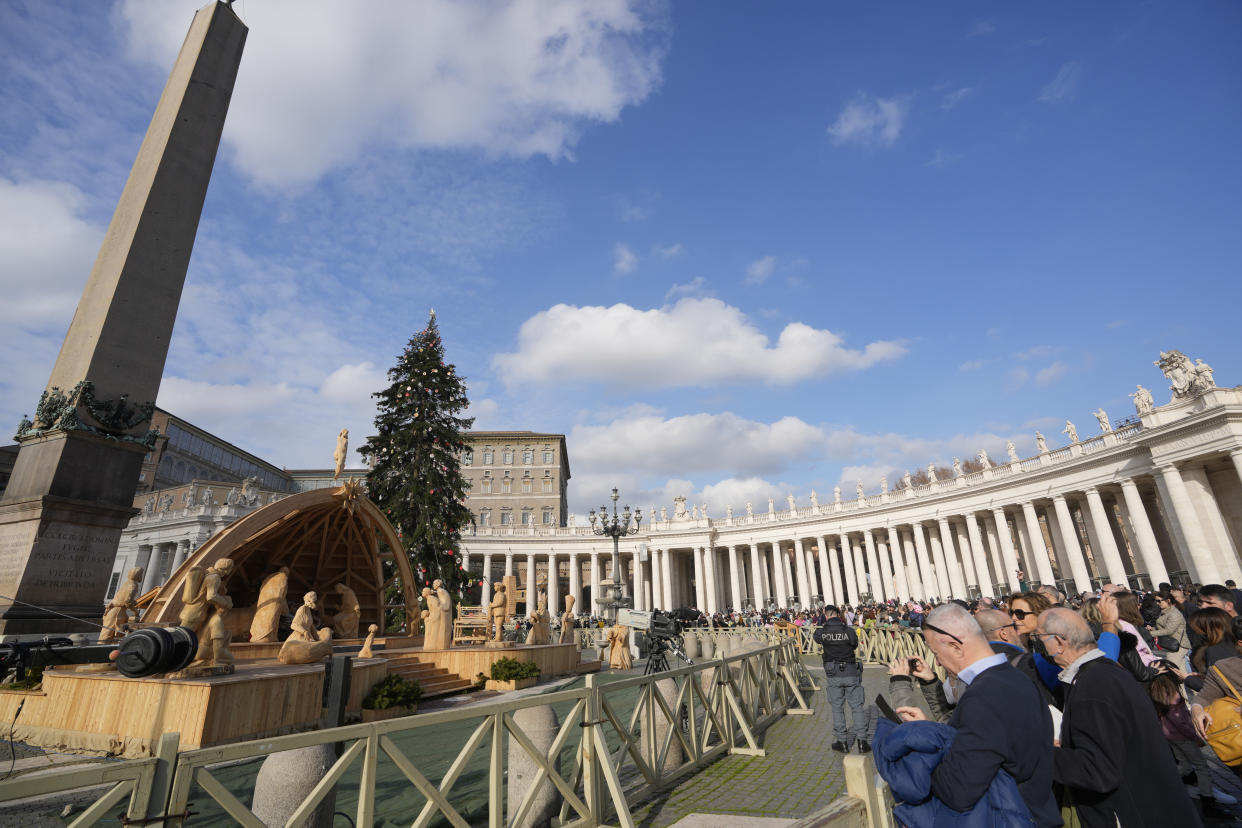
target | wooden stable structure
x=325, y=537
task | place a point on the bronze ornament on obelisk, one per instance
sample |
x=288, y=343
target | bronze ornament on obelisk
x=72, y=487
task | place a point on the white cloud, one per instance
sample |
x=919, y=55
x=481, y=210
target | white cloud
x=320, y=83
x=943, y=159
x=1035, y=351
x=870, y=122
x=1018, y=376
x=351, y=383
x=1063, y=86
x=695, y=287
x=1046, y=376
x=972, y=365
x=623, y=259
x=955, y=97
x=46, y=252
x=696, y=342
x=758, y=271
x=982, y=28
x=670, y=252
x=682, y=455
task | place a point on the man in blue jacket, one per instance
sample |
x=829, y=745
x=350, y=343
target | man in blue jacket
x=1001, y=721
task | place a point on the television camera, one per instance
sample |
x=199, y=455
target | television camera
x=145, y=652
x=663, y=634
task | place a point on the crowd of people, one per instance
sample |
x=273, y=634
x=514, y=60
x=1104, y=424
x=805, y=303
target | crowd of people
x=1096, y=710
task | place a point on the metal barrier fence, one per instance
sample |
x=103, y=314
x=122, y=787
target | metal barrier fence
x=607, y=737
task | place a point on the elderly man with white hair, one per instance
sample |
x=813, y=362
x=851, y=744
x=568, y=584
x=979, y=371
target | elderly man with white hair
x=1112, y=757
x=1001, y=721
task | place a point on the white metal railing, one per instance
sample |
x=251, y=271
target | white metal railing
x=607, y=737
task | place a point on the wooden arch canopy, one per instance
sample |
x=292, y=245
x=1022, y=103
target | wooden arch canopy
x=325, y=537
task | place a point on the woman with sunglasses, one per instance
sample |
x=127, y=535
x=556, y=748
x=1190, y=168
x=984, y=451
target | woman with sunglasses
x=1024, y=609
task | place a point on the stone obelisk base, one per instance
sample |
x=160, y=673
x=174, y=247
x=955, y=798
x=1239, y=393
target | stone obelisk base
x=54, y=554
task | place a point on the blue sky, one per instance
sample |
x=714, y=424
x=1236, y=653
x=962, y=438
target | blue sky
x=733, y=250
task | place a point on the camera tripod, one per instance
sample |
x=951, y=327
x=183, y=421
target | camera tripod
x=657, y=655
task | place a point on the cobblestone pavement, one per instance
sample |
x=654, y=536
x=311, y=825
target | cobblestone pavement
x=799, y=775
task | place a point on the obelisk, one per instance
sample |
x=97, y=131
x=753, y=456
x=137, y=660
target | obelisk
x=72, y=487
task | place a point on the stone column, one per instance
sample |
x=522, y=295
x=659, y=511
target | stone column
x=991, y=540
x=735, y=580
x=914, y=578
x=1073, y=549
x=666, y=578
x=886, y=566
x=902, y=570
x=532, y=589
x=151, y=575
x=787, y=574
x=183, y=553
x=1220, y=544
x=935, y=579
x=878, y=578
x=554, y=584
x=465, y=559
x=509, y=562
x=777, y=584
x=979, y=555
x=965, y=553
x=804, y=578
x=700, y=596
x=1236, y=457
x=756, y=575
x=1144, y=537
x=852, y=577
x=947, y=555
x=1008, y=555
x=575, y=583
x=829, y=585
x=1039, y=550
x=71, y=491
x=1104, y=537
x=709, y=565
x=640, y=582
x=814, y=578
x=1187, y=521
x=866, y=582
x=485, y=595
x=596, y=577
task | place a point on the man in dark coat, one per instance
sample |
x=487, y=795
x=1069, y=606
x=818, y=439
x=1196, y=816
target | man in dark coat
x=1113, y=758
x=1001, y=721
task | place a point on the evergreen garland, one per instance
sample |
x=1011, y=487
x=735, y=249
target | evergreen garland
x=415, y=474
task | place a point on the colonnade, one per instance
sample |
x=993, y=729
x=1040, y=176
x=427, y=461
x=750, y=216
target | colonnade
x=1176, y=524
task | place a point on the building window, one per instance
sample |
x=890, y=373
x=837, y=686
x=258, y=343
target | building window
x=547, y=517
x=506, y=518
x=547, y=485
x=528, y=457
x=485, y=517
x=547, y=457
x=526, y=515
x=112, y=584
x=467, y=457
x=488, y=457
x=506, y=486
x=508, y=457
x=526, y=485
x=487, y=485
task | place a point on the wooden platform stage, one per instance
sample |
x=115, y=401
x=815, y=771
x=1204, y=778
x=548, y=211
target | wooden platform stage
x=107, y=713
x=467, y=662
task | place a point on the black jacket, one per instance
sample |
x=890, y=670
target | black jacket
x=839, y=642
x=1114, y=758
x=1002, y=723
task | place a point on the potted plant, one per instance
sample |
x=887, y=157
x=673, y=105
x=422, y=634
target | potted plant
x=390, y=697
x=511, y=674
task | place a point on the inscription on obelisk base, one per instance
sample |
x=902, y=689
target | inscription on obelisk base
x=72, y=487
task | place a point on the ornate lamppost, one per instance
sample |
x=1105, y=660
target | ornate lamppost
x=616, y=591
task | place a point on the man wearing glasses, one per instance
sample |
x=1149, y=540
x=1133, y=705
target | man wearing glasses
x=1001, y=721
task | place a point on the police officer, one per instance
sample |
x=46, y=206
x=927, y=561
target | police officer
x=844, y=674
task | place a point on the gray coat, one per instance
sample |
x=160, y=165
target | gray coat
x=1171, y=622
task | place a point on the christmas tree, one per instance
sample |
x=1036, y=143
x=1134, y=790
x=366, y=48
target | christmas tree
x=415, y=474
